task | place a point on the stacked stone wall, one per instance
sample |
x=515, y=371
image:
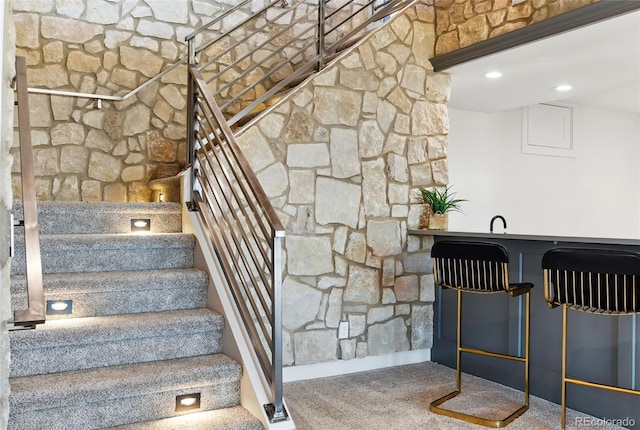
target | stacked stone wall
x=105, y=47
x=460, y=23
x=342, y=160
x=110, y=47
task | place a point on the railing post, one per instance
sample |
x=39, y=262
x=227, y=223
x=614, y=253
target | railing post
x=35, y=313
x=321, y=15
x=191, y=124
x=190, y=100
x=276, y=410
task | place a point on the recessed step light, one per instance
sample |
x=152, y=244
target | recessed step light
x=187, y=402
x=59, y=307
x=140, y=224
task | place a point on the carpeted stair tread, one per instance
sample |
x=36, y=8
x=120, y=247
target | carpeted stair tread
x=235, y=418
x=109, y=252
x=87, y=385
x=109, y=293
x=118, y=395
x=81, y=343
x=115, y=281
x=116, y=327
x=98, y=242
x=56, y=217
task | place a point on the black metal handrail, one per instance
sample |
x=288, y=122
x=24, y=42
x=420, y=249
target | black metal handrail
x=35, y=313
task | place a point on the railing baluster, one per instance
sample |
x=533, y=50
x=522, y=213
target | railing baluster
x=321, y=34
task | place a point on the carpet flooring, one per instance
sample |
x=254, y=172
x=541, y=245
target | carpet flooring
x=398, y=398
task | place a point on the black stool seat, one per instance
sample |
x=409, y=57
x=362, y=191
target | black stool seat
x=598, y=281
x=474, y=267
x=593, y=280
x=478, y=267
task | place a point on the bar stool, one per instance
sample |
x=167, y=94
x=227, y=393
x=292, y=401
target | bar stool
x=598, y=281
x=478, y=267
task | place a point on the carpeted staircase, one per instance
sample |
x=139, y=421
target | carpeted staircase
x=139, y=335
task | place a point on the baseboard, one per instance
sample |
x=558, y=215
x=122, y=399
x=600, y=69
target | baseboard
x=344, y=367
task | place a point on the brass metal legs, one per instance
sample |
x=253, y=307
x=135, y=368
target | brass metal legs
x=565, y=380
x=434, y=406
x=563, y=404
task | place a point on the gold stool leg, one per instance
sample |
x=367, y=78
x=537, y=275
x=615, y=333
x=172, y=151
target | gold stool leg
x=434, y=406
x=527, y=343
x=563, y=415
x=459, y=344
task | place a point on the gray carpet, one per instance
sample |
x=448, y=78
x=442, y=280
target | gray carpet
x=398, y=399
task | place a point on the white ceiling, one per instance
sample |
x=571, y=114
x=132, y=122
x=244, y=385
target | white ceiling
x=601, y=61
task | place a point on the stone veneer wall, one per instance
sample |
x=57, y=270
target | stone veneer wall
x=460, y=23
x=111, y=47
x=342, y=160
x=106, y=47
x=7, y=72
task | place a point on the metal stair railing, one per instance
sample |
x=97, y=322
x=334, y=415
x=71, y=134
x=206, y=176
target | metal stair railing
x=35, y=313
x=258, y=57
x=100, y=97
x=245, y=231
x=230, y=75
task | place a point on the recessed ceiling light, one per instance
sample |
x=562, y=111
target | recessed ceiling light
x=564, y=87
x=493, y=75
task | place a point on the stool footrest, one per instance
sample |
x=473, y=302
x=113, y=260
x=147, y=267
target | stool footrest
x=491, y=354
x=434, y=407
x=603, y=386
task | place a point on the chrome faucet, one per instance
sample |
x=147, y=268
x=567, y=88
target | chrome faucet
x=504, y=222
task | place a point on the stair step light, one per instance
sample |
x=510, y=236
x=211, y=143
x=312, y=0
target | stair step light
x=187, y=402
x=140, y=224
x=59, y=307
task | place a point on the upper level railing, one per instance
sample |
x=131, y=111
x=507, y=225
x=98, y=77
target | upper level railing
x=265, y=52
x=35, y=313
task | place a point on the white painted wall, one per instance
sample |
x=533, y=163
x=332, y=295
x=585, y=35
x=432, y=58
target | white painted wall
x=595, y=194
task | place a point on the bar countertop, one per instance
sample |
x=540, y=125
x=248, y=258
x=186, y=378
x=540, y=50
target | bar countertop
x=542, y=238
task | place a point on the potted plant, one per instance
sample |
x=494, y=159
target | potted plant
x=437, y=205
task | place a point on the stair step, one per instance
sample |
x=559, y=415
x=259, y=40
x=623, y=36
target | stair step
x=55, y=217
x=111, y=396
x=235, y=418
x=83, y=343
x=109, y=252
x=111, y=293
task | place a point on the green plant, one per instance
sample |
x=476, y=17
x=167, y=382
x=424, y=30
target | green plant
x=441, y=201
